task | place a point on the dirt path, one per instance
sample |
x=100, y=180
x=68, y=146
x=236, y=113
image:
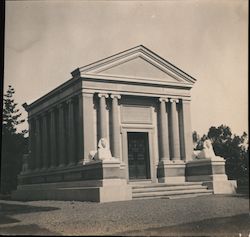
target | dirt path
x=130, y=217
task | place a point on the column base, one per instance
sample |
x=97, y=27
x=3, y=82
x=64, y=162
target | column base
x=61, y=166
x=52, y=168
x=71, y=164
x=43, y=169
x=172, y=180
x=169, y=171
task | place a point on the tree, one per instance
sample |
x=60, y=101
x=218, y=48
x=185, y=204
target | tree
x=233, y=148
x=14, y=144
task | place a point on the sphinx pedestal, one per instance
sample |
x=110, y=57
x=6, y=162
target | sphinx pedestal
x=212, y=173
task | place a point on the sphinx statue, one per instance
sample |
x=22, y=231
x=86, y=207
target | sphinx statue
x=103, y=151
x=207, y=151
x=25, y=165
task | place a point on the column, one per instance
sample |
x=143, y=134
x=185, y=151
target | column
x=38, y=144
x=52, y=138
x=175, y=130
x=71, y=135
x=103, y=116
x=31, y=161
x=45, y=141
x=87, y=125
x=115, y=126
x=80, y=128
x=181, y=130
x=164, y=142
x=187, y=129
x=62, y=143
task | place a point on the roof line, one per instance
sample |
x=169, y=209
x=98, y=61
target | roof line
x=110, y=56
x=168, y=62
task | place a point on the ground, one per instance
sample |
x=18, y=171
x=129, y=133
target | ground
x=212, y=215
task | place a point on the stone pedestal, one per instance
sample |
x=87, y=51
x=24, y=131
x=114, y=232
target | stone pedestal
x=212, y=173
x=97, y=181
x=171, y=171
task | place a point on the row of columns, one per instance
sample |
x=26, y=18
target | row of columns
x=57, y=139
x=175, y=131
x=179, y=139
x=53, y=143
x=115, y=122
x=53, y=137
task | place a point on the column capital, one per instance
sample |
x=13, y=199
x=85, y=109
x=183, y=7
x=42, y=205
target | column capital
x=115, y=96
x=162, y=99
x=69, y=100
x=172, y=100
x=186, y=100
x=50, y=110
x=37, y=117
x=44, y=114
x=103, y=95
x=60, y=105
x=30, y=119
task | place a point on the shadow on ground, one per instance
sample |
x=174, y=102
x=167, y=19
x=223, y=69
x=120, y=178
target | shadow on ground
x=221, y=226
x=6, y=210
x=26, y=230
x=22, y=208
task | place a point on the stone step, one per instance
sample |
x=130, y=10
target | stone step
x=187, y=195
x=169, y=193
x=243, y=190
x=166, y=188
x=140, y=185
x=177, y=196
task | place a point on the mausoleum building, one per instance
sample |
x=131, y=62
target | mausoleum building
x=116, y=124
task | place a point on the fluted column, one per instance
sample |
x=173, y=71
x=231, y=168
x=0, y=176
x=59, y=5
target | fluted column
x=175, y=130
x=45, y=141
x=115, y=126
x=52, y=138
x=71, y=135
x=38, y=154
x=103, y=117
x=62, y=141
x=164, y=142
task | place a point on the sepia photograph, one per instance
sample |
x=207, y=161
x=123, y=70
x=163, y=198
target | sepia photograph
x=125, y=118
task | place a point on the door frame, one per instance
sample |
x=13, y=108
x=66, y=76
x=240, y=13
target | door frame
x=135, y=128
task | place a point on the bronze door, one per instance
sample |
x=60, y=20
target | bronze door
x=138, y=155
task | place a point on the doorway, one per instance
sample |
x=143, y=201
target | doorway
x=138, y=155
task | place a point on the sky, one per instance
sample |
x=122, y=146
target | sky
x=46, y=40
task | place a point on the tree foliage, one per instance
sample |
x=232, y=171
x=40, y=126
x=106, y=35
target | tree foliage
x=232, y=147
x=14, y=144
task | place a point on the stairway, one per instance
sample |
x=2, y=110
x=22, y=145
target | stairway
x=170, y=191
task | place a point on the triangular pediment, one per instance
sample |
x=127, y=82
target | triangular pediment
x=137, y=68
x=138, y=63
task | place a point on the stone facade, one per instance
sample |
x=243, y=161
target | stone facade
x=136, y=100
